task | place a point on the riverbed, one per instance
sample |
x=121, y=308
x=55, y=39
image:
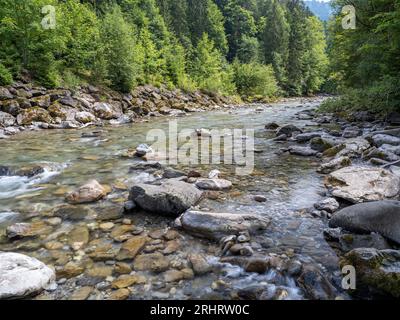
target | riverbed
x=290, y=185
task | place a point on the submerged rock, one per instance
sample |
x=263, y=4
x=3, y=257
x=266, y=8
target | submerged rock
x=154, y=262
x=271, y=126
x=215, y=226
x=171, y=198
x=27, y=230
x=307, y=136
x=143, y=149
x=358, y=184
x=34, y=114
x=89, y=192
x=315, y=285
x=22, y=276
x=380, y=216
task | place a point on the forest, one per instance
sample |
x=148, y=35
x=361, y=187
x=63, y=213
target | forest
x=251, y=48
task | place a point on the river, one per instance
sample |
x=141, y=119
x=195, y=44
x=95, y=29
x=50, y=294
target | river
x=289, y=183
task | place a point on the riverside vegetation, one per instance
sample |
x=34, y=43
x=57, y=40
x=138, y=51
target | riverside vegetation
x=88, y=211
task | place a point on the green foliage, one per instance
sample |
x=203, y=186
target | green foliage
x=6, y=77
x=81, y=30
x=316, y=60
x=239, y=24
x=255, y=79
x=365, y=62
x=190, y=44
x=248, y=50
x=274, y=37
x=381, y=97
x=208, y=68
x=119, y=50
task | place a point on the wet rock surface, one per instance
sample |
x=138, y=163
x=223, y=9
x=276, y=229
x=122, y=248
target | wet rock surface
x=380, y=216
x=217, y=225
x=170, y=198
x=22, y=276
x=377, y=270
x=361, y=183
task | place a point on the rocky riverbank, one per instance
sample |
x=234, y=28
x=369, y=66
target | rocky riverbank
x=360, y=161
x=26, y=107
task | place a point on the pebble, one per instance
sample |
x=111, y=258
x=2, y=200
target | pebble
x=127, y=221
x=121, y=294
x=106, y=226
x=259, y=198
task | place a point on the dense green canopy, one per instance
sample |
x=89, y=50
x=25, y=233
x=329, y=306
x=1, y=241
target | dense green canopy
x=190, y=44
x=365, y=61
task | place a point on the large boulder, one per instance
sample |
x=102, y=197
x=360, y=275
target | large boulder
x=84, y=117
x=5, y=94
x=379, y=216
x=6, y=119
x=34, y=114
x=22, y=276
x=321, y=144
x=89, y=192
x=381, y=139
x=359, y=184
x=65, y=113
x=215, y=226
x=288, y=130
x=173, y=197
x=378, y=271
x=10, y=106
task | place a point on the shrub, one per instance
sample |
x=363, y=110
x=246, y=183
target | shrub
x=255, y=79
x=382, y=97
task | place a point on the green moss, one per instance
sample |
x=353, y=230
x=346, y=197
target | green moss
x=331, y=152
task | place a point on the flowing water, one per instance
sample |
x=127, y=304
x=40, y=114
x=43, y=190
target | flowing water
x=289, y=183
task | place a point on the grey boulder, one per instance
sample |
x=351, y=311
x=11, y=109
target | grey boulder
x=215, y=226
x=173, y=197
x=382, y=217
x=381, y=139
x=359, y=184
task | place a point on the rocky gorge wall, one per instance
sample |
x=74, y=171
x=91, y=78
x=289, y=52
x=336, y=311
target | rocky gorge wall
x=24, y=106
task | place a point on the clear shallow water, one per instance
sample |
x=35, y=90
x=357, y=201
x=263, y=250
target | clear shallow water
x=289, y=183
